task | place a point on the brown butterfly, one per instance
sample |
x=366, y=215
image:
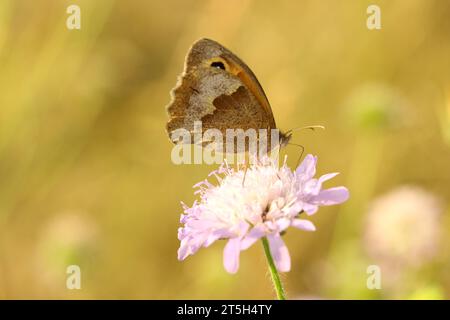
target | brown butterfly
x=219, y=89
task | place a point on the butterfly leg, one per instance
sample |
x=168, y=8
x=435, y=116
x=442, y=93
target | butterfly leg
x=245, y=174
x=301, y=154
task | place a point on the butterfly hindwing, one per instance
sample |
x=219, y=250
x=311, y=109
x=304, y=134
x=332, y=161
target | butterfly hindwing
x=217, y=88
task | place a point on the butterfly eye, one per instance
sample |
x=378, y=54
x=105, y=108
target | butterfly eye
x=218, y=65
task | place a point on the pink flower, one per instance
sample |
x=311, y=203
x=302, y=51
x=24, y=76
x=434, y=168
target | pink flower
x=266, y=203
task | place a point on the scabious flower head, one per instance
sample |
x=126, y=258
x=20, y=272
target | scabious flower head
x=248, y=204
x=403, y=227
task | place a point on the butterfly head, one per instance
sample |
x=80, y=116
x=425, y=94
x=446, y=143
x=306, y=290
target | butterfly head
x=285, y=138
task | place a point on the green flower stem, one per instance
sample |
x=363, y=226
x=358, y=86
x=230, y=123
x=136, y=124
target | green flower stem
x=273, y=271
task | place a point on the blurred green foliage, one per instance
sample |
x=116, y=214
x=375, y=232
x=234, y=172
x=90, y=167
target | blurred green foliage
x=82, y=130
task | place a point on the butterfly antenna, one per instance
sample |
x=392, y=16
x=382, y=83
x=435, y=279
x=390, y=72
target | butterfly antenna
x=307, y=127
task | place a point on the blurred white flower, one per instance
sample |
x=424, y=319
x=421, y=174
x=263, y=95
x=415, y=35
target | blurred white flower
x=403, y=227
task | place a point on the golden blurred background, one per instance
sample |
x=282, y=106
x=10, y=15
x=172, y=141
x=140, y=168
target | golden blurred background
x=86, y=176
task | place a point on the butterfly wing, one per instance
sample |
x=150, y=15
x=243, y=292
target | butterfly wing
x=217, y=88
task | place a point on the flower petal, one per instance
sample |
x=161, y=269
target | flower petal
x=217, y=234
x=332, y=196
x=184, y=250
x=254, y=235
x=279, y=252
x=327, y=177
x=310, y=209
x=231, y=255
x=307, y=167
x=283, y=224
x=303, y=224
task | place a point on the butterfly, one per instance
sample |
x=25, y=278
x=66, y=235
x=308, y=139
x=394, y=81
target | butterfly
x=220, y=90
